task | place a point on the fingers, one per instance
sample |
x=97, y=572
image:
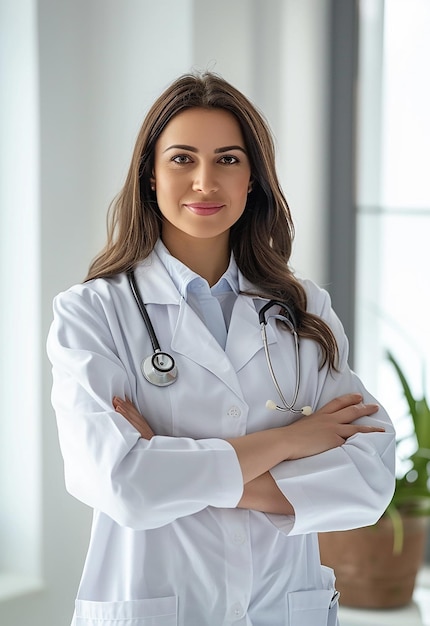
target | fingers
x=115, y=402
x=127, y=409
x=348, y=408
x=342, y=402
x=124, y=407
x=348, y=430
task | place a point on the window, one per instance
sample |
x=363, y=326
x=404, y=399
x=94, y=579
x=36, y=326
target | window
x=19, y=311
x=393, y=196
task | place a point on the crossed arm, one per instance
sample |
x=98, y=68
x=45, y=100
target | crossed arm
x=327, y=428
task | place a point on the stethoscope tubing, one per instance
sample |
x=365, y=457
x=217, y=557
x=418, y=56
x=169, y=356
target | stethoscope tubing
x=143, y=311
x=160, y=369
x=290, y=322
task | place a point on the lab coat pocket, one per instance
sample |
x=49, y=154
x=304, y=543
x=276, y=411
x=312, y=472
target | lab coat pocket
x=150, y=612
x=317, y=607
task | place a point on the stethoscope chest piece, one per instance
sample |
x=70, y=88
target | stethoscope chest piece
x=159, y=369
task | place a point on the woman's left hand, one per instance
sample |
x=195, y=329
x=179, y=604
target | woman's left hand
x=127, y=409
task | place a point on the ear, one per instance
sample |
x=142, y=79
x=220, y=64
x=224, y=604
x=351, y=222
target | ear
x=251, y=183
x=152, y=183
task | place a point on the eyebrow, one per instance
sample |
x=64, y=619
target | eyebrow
x=216, y=151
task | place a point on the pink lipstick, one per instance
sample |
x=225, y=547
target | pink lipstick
x=204, y=208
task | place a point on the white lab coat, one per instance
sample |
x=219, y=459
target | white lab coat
x=168, y=547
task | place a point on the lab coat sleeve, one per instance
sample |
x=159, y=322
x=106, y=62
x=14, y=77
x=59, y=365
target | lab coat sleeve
x=138, y=483
x=349, y=486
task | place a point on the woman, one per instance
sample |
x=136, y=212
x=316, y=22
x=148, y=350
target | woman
x=206, y=501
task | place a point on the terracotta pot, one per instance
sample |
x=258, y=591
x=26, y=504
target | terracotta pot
x=368, y=574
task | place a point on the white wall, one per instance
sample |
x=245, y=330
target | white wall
x=100, y=64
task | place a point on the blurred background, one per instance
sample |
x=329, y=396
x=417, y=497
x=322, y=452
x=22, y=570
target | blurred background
x=344, y=85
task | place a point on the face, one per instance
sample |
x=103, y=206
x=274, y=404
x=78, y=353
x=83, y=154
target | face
x=201, y=174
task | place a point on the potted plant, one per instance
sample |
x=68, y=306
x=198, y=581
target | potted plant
x=376, y=566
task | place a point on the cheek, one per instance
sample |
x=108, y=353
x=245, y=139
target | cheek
x=242, y=189
x=169, y=189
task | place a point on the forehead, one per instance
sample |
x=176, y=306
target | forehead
x=201, y=127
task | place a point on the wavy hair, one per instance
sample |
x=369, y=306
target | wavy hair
x=261, y=239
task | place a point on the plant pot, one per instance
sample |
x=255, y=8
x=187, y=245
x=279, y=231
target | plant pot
x=368, y=573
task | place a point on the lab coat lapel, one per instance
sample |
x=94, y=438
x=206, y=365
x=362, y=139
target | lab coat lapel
x=193, y=340
x=244, y=335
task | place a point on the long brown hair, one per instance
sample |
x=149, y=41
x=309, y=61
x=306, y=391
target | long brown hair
x=261, y=239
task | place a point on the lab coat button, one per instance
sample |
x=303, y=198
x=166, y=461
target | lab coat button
x=234, y=411
x=236, y=610
x=238, y=538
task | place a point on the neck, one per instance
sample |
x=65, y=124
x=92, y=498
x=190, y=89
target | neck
x=207, y=257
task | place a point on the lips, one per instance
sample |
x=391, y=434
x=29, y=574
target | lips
x=204, y=208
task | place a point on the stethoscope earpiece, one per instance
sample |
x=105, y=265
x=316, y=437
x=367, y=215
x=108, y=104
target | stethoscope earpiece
x=305, y=410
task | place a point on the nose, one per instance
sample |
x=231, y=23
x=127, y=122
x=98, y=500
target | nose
x=205, y=179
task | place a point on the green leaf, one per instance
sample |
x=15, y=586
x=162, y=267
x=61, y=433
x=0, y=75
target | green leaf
x=412, y=494
x=406, y=389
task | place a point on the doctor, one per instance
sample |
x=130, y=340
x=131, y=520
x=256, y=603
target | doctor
x=206, y=500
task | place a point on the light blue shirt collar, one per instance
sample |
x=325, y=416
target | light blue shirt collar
x=186, y=281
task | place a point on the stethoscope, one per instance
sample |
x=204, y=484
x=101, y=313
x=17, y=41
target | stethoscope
x=160, y=369
x=285, y=315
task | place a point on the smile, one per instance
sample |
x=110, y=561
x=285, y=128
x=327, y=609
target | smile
x=204, y=208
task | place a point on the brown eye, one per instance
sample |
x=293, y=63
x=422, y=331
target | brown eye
x=228, y=159
x=181, y=159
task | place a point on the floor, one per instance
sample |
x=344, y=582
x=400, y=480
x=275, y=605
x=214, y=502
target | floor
x=416, y=614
